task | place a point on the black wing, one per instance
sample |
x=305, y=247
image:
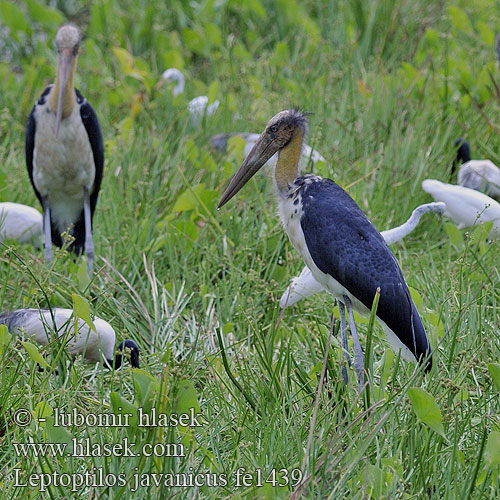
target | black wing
x=91, y=124
x=344, y=244
x=30, y=139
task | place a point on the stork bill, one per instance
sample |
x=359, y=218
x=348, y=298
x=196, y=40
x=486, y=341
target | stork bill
x=344, y=251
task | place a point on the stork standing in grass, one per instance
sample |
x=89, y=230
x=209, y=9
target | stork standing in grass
x=341, y=247
x=96, y=346
x=65, y=154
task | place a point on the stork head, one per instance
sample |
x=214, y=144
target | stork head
x=68, y=40
x=278, y=133
x=127, y=346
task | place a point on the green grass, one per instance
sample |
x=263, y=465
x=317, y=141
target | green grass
x=391, y=85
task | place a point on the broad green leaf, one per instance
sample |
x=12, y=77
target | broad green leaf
x=213, y=91
x=187, y=397
x=454, y=234
x=145, y=387
x=34, y=354
x=82, y=275
x=459, y=18
x=193, y=41
x=213, y=35
x=120, y=406
x=81, y=308
x=492, y=449
x=189, y=199
x=494, y=369
x=5, y=337
x=173, y=59
x=417, y=298
x=58, y=434
x=125, y=59
x=375, y=479
x=426, y=409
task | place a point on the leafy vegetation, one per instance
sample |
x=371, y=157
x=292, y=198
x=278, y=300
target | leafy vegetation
x=391, y=85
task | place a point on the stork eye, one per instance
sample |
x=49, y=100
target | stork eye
x=273, y=129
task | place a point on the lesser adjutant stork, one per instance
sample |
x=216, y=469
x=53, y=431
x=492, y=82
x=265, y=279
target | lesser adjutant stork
x=65, y=154
x=96, y=346
x=341, y=247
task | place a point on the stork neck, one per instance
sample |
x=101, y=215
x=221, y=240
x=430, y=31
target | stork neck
x=287, y=167
x=69, y=97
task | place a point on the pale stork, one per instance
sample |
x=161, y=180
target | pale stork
x=65, y=154
x=20, y=222
x=304, y=285
x=481, y=175
x=464, y=206
x=219, y=142
x=98, y=346
x=341, y=247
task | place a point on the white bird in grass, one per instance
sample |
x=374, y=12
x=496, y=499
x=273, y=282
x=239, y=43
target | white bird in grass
x=465, y=207
x=197, y=106
x=20, y=222
x=65, y=154
x=481, y=175
x=304, y=285
x=39, y=324
x=219, y=142
x=341, y=247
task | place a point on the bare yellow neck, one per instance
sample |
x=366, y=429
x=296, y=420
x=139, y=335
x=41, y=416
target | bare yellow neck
x=287, y=167
x=69, y=98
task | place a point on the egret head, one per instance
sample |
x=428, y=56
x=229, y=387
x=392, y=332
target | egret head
x=68, y=40
x=278, y=133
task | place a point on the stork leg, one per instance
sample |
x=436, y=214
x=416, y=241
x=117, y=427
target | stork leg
x=359, y=360
x=46, y=228
x=343, y=336
x=89, y=243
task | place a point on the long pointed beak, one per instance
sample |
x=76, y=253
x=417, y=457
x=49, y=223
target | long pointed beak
x=65, y=62
x=262, y=150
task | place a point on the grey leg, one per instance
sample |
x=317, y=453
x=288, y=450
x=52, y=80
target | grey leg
x=343, y=336
x=359, y=360
x=46, y=229
x=89, y=244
